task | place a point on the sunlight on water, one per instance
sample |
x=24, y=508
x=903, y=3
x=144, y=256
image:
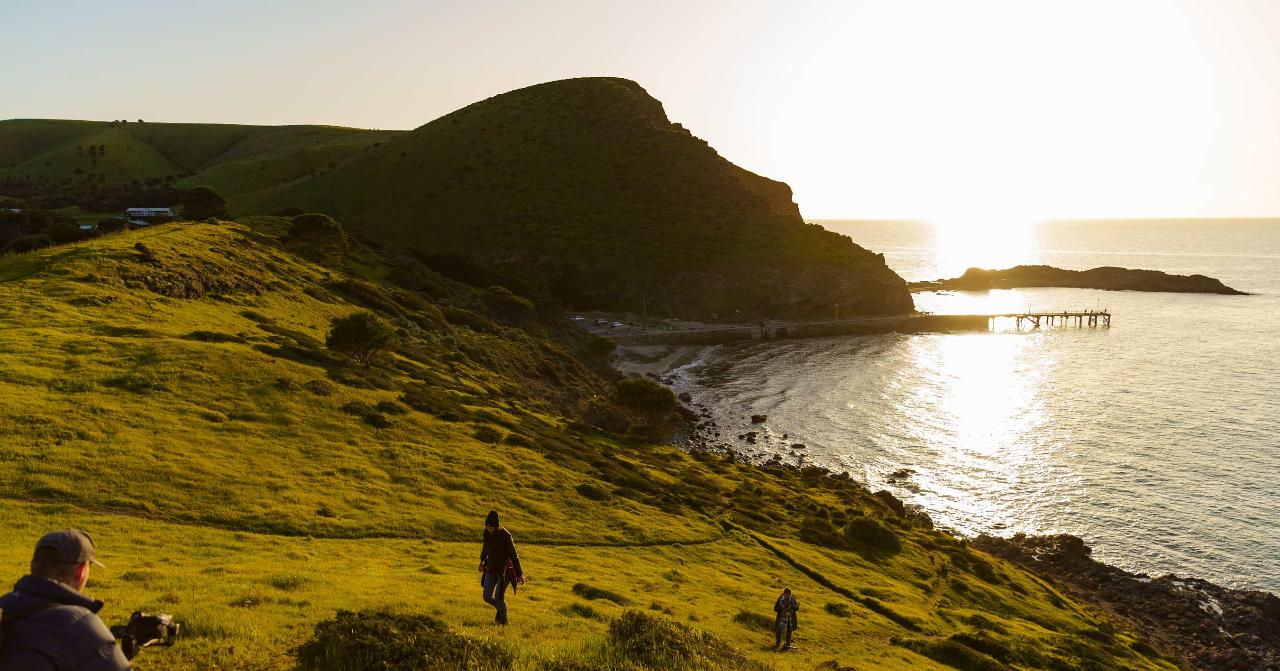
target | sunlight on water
x=986, y=410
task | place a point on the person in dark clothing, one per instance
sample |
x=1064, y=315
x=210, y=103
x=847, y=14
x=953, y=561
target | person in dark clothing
x=499, y=565
x=784, y=624
x=48, y=623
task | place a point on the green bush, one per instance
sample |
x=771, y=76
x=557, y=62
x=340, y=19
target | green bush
x=362, y=335
x=838, y=609
x=754, y=620
x=487, y=434
x=597, y=594
x=660, y=643
x=316, y=226
x=645, y=396
x=201, y=202
x=868, y=536
x=510, y=308
x=382, y=641
x=953, y=654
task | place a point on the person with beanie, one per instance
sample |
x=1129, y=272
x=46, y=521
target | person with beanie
x=499, y=565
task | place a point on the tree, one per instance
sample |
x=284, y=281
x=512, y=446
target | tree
x=362, y=335
x=201, y=202
x=318, y=237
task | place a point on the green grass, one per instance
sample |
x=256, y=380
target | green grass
x=201, y=437
x=233, y=159
x=580, y=189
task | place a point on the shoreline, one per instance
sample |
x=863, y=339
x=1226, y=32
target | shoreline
x=1205, y=625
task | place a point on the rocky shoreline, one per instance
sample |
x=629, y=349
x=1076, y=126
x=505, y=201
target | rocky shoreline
x=1107, y=278
x=1208, y=626
x=1197, y=623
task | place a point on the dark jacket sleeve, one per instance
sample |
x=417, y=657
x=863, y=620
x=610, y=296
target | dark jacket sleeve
x=96, y=647
x=515, y=558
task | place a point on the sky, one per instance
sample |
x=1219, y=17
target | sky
x=977, y=111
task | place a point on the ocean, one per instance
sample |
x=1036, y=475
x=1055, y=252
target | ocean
x=1156, y=440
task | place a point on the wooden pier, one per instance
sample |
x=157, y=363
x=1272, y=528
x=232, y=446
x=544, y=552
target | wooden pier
x=1035, y=320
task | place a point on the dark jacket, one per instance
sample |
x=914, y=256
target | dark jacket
x=50, y=627
x=496, y=549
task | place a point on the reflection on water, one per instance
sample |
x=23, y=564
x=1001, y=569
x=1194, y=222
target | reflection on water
x=1156, y=440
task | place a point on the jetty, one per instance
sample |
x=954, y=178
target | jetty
x=1034, y=320
x=688, y=333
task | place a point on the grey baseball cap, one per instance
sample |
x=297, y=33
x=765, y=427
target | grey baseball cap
x=71, y=546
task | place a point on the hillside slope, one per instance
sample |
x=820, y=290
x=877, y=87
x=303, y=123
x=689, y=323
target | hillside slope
x=74, y=157
x=585, y=189
x=176, y=400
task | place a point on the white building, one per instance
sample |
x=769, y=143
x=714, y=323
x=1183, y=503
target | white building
x=141, y=216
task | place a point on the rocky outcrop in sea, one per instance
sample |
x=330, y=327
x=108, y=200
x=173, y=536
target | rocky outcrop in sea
x=1109, y=278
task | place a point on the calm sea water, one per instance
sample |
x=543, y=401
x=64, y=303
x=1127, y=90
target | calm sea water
x=1157, y=440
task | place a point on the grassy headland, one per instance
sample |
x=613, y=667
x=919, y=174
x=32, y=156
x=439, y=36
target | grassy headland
x=178, y=401
x=580, y=189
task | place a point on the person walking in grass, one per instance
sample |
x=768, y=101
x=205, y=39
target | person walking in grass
x=784, y=623
x=48, y=622
x=499, y=565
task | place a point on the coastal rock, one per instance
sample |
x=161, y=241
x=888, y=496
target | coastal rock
x=1109, y=278
x=797, y=446
x=1208, y=626
x=750, y=436
x=759, y=419
x=685, y=397
x=894, y=503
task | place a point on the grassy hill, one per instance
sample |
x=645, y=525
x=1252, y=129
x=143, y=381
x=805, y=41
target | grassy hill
x=177, y=401
x=580, y=189
x=73, y=157
x=585, y=188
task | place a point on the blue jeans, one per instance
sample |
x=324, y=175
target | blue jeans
x=494, y=588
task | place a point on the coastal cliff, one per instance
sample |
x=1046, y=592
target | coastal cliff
x=1108, y=278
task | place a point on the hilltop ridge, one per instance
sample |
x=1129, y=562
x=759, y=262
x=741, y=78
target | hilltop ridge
x=579, y=189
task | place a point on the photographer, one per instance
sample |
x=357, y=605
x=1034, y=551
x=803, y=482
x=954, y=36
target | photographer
x=48, y=623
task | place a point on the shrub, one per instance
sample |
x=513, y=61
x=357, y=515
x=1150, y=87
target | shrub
x=597, y=594
x=30, y=243
x=463, y=317
x=510, y=308
x=590, y=491
x=201, y=202
x=868, y=536
x=382, y=641
x=660, y=643
x=320, y=387
x=362, y=335
x=487, y=434
x=838, y=609
x=377, y=420
x=953, y=654
x=753, y=620
x=317, y=226
x=644, y=395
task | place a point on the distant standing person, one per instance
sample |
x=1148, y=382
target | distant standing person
x=499, y=565
x=784, y=624
x=49, y=623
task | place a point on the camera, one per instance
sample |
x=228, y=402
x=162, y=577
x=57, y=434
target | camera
x=145, y=630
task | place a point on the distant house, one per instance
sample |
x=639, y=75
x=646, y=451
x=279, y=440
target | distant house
x=141, y=216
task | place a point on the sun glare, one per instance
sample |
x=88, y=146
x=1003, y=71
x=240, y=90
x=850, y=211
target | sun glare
x=982, y=241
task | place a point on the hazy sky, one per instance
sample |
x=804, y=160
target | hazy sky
x=948, y=110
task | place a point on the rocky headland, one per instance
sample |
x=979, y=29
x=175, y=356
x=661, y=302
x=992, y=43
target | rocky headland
x=1108, y=278
x=1209, y=626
